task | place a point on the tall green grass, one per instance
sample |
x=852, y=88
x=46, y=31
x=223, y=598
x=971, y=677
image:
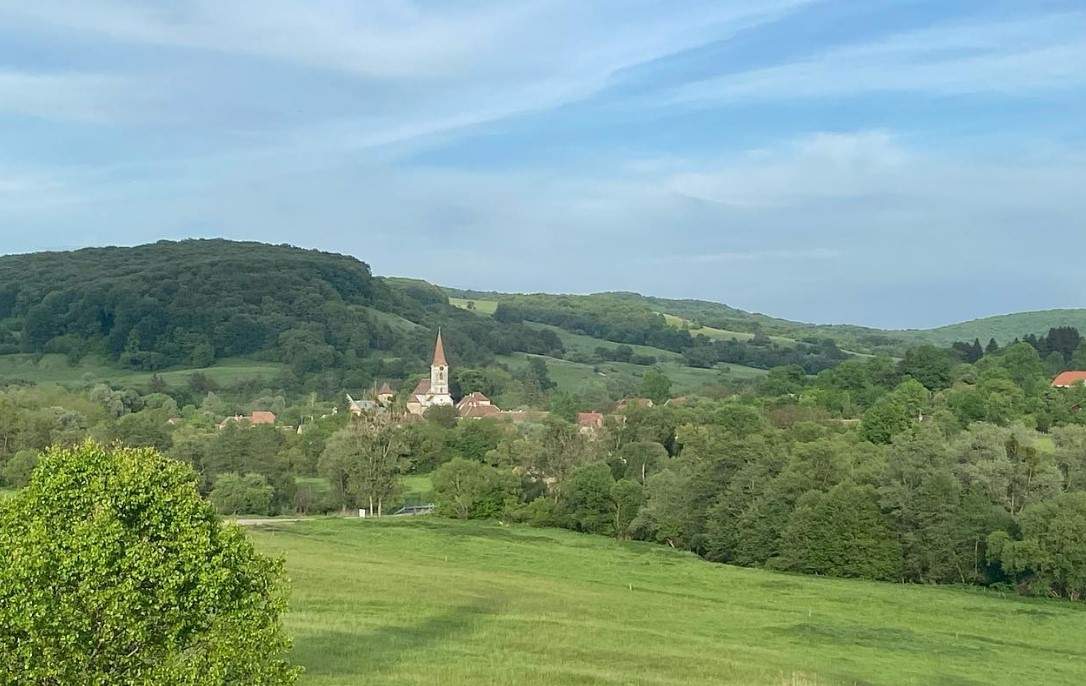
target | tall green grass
x=431, y=601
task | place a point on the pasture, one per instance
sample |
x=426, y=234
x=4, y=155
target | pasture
x=486, y=307
x=54, y=368
x=431, y=601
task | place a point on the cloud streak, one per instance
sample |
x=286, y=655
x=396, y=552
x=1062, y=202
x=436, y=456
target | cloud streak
x=1007, y=57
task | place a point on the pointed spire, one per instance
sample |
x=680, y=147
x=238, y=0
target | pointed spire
x=439, y=352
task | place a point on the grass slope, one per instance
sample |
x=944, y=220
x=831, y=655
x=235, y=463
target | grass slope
x=1004, y=328
x=430, y=601
x=51, y=368
x=486, y=307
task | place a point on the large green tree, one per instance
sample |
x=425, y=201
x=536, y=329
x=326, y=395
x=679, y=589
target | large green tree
x=1051, y=555
x=841, y=533
x=113, y=570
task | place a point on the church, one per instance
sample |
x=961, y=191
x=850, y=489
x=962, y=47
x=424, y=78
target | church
x=435, y=391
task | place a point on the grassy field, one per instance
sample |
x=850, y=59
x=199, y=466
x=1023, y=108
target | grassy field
x=51, y=368
x=486, y=307
x=722, y=334
x=430, y=601
x=580, y=343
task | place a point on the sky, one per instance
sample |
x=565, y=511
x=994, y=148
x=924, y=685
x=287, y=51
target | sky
x=880, y=162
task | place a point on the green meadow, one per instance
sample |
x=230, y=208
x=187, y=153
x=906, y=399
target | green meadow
x=53, y=368
x=481, y=306
x=431, y=601
x=722, y=334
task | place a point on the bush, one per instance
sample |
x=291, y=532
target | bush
x=236, y=494
x=113, y=570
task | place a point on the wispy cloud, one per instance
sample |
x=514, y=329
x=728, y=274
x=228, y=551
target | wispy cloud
x=520, y=146
x=1007, y=57
x=86, y=97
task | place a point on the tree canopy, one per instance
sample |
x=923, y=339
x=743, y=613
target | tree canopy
x=114, y=570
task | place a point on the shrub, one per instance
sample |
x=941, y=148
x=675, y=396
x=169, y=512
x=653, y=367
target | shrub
x=113, y=570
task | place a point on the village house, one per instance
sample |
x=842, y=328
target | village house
x=384, y=394
x=257, y=417
x=1068, y=379
x=361, y=407
x=589, y=423
x=476, y=406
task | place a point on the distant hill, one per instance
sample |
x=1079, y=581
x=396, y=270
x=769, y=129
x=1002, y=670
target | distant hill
x=199, y=304
x=1004, y=328
x=190, y=303
x=714, y=320
x=717, y=320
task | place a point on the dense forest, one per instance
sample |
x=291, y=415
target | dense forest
x=193, y=302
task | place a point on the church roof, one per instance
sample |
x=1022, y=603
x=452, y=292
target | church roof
x=423, y=388
x=439, y=353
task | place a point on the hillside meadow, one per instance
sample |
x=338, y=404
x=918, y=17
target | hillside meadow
x=433, y=601
x=53, y=368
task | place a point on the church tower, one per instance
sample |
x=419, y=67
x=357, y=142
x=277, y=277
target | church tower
x=439, y=369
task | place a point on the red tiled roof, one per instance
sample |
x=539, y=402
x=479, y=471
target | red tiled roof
x=478, y=411
x=439, y=353
x=262, y=417
x=423, y=388
x=475, y=398
x=1068, y=379
x=590, y=419
x=385, y=389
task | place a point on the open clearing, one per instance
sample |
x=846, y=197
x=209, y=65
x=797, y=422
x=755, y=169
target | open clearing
x=53, y=368
x=722, y=334
x=432, y=601
x=486, y=307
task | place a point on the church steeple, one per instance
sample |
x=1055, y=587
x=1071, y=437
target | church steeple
x=439, y=369
x=439, y=353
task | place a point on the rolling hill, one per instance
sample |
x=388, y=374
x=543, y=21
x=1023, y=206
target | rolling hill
x=1004, y=328
x=433, y=601
x=242, y=310
x=716, y=320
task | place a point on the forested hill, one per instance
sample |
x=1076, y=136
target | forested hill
x=717, y=320
x=194, y=301
x=1003, y=328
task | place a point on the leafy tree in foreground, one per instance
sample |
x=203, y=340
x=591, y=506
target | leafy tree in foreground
x=113, y=570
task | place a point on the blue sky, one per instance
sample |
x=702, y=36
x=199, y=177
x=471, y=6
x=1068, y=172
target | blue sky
x=898, y=164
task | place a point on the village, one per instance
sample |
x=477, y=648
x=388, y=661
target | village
x=383, y=403
x=435, y=392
